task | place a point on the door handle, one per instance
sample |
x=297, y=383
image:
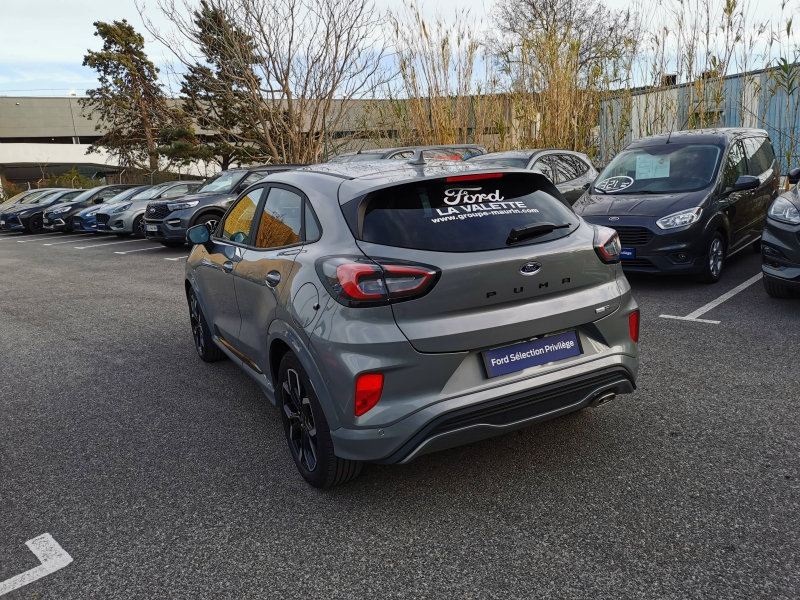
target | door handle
x=273, y=278
x=227, y=266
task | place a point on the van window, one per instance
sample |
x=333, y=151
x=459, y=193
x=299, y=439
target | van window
x=464, y=214
x=760, y=155
x=736, y=165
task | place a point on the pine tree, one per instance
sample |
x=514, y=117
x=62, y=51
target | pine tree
x=130, y=105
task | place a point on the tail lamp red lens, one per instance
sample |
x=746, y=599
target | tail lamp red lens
x=607, y=245
x=362, y=283
x=474, y=177
x=633, y=325
x=369, y=387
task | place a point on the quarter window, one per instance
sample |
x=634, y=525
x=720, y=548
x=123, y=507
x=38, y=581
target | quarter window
x=281, y=219
x=239, y=221
x=759, y=155
x=542, y=166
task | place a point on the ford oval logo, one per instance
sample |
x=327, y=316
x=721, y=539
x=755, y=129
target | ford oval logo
x=530, y=268
x=613, y=218
x=152, y=210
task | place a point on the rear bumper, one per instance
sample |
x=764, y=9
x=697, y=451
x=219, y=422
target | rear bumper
x=488, y=413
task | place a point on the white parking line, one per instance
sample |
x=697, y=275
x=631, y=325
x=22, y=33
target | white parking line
x=140, y=250
x=107, y=244
x=52, y=556
x=28, y=237
x=692, y=316
x=68, y=241
x=177, y=257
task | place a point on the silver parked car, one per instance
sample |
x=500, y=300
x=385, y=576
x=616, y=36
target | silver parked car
x=390, y=309
x=126, y=217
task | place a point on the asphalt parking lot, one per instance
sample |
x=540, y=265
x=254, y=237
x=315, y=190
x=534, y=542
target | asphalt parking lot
x=165, y=477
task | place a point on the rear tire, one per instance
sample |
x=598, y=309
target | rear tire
x=307, y=431
x=35, y=224
x=207, y=350
x=714, y=260
x=776, y=290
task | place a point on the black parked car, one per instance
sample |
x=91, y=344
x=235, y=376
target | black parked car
x=571, y=172
x=59, y=218
x=780, y=243
x=27, y=215
x=167, y=221
x=685, y=202
x=445, y=152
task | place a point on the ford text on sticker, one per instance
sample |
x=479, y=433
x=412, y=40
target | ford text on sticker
x=465, y=203
x=502, y=361
x=614, y=184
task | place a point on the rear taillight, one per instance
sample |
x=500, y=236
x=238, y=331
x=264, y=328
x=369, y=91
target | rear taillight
x=359, y=282
x=607, y=244
x=633, y=325
x=369, y=387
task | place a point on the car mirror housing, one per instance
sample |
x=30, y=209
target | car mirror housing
x=794, y=176
x=746, y=182
x=199, y=234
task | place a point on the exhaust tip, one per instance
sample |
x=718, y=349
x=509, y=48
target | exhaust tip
x=602, y=399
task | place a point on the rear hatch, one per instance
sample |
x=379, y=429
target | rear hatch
x=493, y=289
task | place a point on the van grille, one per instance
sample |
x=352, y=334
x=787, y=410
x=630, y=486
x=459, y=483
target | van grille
x=634, y=236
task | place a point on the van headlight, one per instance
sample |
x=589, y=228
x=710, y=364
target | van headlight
x=182, y=205
x=784, y=211
x=680, y=219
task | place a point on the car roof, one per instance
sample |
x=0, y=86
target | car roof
x=356, y=178
x=717, y=135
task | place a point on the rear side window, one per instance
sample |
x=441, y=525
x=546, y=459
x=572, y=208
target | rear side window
x=464, y=214
x=760, y=155
x=565, y=169
x=281, y=219
x=543, y=167
x=737, y=164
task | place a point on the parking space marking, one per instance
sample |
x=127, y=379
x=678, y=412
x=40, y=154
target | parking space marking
x=177, y=257
x=106, y=244
x=29, y=238
x=69, y=241
x=20, y=234
x=693, y=316
x=140, y=250
x=52, y=556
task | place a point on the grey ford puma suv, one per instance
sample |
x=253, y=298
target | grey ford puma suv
x=392, y=310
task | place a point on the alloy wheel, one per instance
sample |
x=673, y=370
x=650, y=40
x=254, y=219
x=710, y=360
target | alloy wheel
x=211, y=225
x=302, y=429
x=715, y=257
x=197, y=325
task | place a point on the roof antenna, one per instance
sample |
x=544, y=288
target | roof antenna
x=417, y=159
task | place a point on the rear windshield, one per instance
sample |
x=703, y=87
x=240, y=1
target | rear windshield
x=465, y=215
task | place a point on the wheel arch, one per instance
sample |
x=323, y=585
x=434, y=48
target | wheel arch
x=211, y=210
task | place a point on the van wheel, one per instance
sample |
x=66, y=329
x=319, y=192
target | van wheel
x=714, y=260
x=203, y=342
x=776, y=290
x=307, y=431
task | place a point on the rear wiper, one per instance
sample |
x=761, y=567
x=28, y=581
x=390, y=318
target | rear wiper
x=532, y=230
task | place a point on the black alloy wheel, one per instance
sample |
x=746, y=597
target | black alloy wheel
x=35, y=224
x=203, y=342
x=307, y=431
x=210, y=221
x=138, y=226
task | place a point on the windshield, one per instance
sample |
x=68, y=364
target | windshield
x=84, y=196
x=123, y=196
x=661, y=169
x=150, y=192
x=501, y=161
x=36, y=198
x=222, y=183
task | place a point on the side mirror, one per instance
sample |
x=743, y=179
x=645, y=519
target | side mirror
x=98, y=200
x=199, y=234
x=746, y=182
x=242, y=187
x=794, y=176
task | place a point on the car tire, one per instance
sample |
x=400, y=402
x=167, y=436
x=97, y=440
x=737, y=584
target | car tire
x=207, y=350
x=776, y=290
x=307, y=432
x=172, y=244
x=35, y=224
x=714, y=262
x=138, y=226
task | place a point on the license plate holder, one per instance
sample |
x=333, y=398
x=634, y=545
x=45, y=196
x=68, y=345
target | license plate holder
x=533, y=353
x=153, y=228
x=627, y=253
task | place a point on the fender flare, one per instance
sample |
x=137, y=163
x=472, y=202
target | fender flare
x=282, y=331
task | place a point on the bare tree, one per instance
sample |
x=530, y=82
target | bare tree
x=295, y=67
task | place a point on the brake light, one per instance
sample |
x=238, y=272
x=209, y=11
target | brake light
x=633, y=325
x=369, y=387
x=474, y=177
x=358, y=282
x=607, y=245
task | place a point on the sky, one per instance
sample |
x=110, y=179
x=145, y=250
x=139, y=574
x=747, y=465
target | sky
x=42, y=42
